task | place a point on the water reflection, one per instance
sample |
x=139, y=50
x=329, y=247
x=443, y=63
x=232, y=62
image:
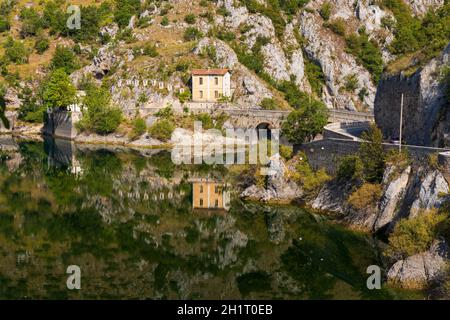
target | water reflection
x=132, y=222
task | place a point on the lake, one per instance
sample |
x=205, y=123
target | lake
x=139, y=227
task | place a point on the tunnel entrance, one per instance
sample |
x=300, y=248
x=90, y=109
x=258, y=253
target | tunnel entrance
x=264, y=126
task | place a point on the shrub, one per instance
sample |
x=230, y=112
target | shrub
x=15, y=51
x=351, y=82
x=310, y=180
x=150, y=50
x=41, y=45
x=350, y=168
x=412, y=236
x=165, y=113
x=192, y=33
x=325, y=10
x=433, y=161
x=165, y=21
x=268, y=104
x=190, y=18
x=30, y=110
x=372, y=154
x=206, y=120
x=124, y=10
x=99, y=115
x=367, y=53
x=65, y=59
x=315, y=76
x=4, y=24
x=184, y=96
x=162, y=129
x=367, y=195
x=31, y=22
x=286, y=152
x=139, y=128
x=337, y=26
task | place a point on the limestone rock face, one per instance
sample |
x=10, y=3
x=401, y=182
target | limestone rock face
x=425, y=115
x=278, y=189
x=420, y=7
x=393, y=193
x=431, y=193
x=324, y=47
x=332, y=197
x=417, y=271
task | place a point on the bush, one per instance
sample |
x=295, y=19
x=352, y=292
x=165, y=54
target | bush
x=41, y=45
x=367, y=195
x=351, y=82
x=165, y=21
x=206, y=120
x=184, y=96
x=165, y=113
x=412, y=236
x=315, y=76
x=286, y=152
x=325, y=10
x=65, y=59
x=4, y=24
x=268, y=104
x=192, y=33
x=139, y=128
x=99, y=115
x=367, y=53
x=15, y=51
x=305, y=176
x=371, y=153
x=350, y=168
x=150, y=50
x=190, y=18
x=124, y=10
x=162, y=130
x=337, y=26
x=31, y=22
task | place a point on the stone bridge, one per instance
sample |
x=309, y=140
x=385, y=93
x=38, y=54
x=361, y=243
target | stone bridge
x=266, y=119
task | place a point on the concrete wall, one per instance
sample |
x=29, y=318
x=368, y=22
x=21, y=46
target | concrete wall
x=61, y=124
x=327, y=153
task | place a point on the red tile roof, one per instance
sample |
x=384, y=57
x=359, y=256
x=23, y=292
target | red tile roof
x=206, y=72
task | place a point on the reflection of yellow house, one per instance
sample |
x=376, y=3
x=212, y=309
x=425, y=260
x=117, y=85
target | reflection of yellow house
x=209, y=85
x=208, y=194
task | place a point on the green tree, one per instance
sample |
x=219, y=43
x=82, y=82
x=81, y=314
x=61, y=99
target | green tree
x=162, y=129
x=99, y=115
x=65, y=59
x=304, y=124
x=372, y=154
x=58, y=90
x=15, y=51
x=124, y=10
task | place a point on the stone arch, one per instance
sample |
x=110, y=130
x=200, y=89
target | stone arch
x=264, y=125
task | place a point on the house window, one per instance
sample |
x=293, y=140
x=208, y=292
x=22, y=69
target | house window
x=216, y=203
x=216, y=81
x=200, y=80
x=201, y=202
x=201, y=189
x=216, y=94
x=201, y=94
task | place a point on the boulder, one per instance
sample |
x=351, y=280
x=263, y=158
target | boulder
x=418, y=271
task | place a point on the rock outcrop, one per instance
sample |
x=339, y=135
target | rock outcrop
x=279, y=187
x=418, y=271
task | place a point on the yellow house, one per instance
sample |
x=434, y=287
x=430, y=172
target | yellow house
x=209, y=85
x=209, y=194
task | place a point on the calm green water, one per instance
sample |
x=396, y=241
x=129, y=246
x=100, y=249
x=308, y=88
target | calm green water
x=127, y=220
